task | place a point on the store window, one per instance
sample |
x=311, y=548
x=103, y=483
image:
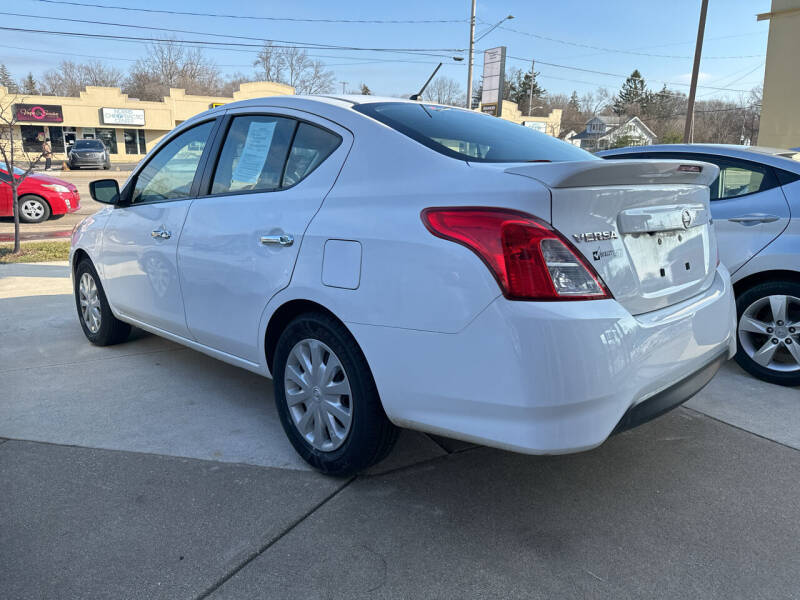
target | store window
x=134, y=141
x=109, y=137
x=57, y=139
x=32, y=137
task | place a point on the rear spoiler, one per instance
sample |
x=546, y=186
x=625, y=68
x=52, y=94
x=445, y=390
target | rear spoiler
x=592, y=173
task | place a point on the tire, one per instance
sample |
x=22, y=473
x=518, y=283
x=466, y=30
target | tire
x=336, y=448
x=56, y=217
x=33, y=209
x=109, y=330
x=106, y=166
x=768, y=345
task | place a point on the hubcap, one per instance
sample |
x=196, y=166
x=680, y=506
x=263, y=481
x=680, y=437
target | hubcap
x=318, y=395
x=769, y=332
x=32, y=209
x=90, y=302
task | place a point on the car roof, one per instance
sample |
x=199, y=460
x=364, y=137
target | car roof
x=777, y=157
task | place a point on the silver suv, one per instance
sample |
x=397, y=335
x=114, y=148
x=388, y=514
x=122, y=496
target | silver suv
x=755, y=203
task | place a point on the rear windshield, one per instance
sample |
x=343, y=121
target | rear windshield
x=469, y=135
x=89, y=145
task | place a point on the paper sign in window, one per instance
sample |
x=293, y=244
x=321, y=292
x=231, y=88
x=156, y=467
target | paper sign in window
x=254, y=154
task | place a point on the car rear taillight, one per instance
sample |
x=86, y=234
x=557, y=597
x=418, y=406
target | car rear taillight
x=529, y=259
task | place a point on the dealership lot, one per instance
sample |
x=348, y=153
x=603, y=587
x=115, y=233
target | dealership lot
x=147, y=470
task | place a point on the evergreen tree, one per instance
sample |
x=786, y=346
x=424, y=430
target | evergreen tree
x=6, y=80
x=574, y=102
x=28, y=85
x=633, y=92
x=365, y=90
x=518, y=89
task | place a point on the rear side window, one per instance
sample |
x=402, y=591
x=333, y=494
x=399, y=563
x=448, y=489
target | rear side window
x=253, y=155
x=741, y=179
x=311, y=146
x=471, y=136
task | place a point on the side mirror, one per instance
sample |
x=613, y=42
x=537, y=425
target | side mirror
x=105, y=191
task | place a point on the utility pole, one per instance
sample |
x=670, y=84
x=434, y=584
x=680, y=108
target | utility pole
x=344, y=83
x=530, y=90
x=471, y=56
x=688, y=132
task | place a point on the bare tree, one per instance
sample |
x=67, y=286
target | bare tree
x=444, y=90
x=70, y=78
x=292, y=66
x=170, y=65
x=8, y=149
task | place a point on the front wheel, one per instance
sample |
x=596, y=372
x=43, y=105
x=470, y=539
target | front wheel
x=769, y=332
x=33, y=209
x=327, y=399
x=99, y=324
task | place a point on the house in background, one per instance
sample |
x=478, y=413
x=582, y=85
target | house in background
x=609, y=131
x=569, y=136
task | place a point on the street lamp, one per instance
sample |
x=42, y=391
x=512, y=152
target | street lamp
x=472, y=41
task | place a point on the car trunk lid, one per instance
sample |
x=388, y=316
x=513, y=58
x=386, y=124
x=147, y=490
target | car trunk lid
x=645, y=226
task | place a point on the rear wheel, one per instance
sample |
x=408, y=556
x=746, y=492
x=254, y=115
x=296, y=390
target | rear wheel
x=327, y=399
x=99, y=324
x=33, y=209
x=769, y=332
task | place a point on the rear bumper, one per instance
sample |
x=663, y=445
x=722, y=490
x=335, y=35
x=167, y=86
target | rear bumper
x=549, y=378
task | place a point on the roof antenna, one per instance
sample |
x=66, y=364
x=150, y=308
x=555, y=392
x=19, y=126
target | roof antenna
x=418, y=95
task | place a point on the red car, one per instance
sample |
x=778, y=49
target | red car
x=40, y=196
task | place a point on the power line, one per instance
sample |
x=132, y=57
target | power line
x=227, y=45
x=254, y=17
x=617, y=50
x=541, y=62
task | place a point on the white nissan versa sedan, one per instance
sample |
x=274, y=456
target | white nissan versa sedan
x=394, y=263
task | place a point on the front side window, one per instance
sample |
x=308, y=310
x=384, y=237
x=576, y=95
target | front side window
x=311, y=146
x=170, y=173
x=471, y=136
x=253, y=155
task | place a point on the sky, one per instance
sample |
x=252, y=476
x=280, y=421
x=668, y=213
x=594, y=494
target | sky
x=588, y=44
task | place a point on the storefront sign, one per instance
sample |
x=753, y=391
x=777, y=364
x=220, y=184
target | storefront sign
x=39, y=113
x=494, y=70
x=122, y=116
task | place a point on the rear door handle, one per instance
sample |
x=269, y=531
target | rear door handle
x=754, y=219
x=282, y=240
x=160, y=234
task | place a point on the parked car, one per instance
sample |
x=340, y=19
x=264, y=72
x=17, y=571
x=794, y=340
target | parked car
x=755, y=202
x=393, y=263
x=89, y=153
x=41, y=197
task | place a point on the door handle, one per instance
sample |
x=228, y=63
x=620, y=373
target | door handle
x=160, y=234
x=754, y=219
x=282, y=240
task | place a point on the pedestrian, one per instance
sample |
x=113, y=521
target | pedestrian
x=47, y=152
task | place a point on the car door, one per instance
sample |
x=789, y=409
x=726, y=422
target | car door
x=240, y=241
x=140, y=240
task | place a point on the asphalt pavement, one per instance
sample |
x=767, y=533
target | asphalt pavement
x=147, y=470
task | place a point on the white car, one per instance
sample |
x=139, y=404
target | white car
x=394, y=263
x=755, y=203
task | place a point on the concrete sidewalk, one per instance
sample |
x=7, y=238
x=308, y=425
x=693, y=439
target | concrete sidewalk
x=147, y=470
